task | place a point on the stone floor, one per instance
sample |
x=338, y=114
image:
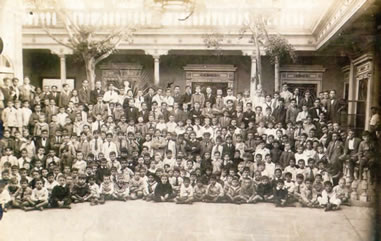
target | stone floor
x=140, y=221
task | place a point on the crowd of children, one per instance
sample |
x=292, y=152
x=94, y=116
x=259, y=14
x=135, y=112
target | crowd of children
x=84, y=145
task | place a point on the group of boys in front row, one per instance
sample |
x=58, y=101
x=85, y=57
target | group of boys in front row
x=57, y=190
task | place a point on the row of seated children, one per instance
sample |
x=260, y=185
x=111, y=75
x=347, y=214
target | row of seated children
x=161, y=186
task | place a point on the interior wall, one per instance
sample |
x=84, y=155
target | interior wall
x=39, y=64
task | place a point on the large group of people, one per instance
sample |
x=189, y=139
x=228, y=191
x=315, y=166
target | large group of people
x=181, y=145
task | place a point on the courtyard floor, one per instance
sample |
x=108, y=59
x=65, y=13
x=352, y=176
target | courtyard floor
x=141, y=221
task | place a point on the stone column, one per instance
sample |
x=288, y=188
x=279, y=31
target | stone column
x=156, y=53
x=351, y=96
x=62, y=68
x=276, y=67
x=253, y=76
x=61, y=53
x=156, y=67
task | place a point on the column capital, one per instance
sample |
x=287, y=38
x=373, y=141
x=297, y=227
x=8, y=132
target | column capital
x=251, y=53
x=61, y=52
x=156, y=53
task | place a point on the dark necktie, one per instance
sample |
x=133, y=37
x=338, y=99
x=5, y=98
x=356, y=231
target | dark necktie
x=96, y=144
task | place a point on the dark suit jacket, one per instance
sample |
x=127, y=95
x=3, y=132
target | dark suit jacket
x=55, y=96
x=84, y=96
x=131, y=113
x=64, y=99
x=228, y=150
x=304, y=101
x=356, y=145
x=211, y=99
x=7, y=94
x=39, y=144
x=334, y=151
x=315, y=112
x=332, y=110
x=279, y=114
x=94, y=95
x=144, y=114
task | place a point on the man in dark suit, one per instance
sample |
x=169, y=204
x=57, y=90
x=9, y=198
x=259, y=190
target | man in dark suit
x=84, y=93
x=131, y=112
x=148, y=98
x=228, y=148
x=279, y=112
x=209, y=97
x=333, y=107
x=177, y=113
x=307, y=100
x=350, y=155
x=43, y=141
x=248, y=115
x=315, y=111
x=64, y=97
x=96, y=92
x=6, y=89
x=54, y=95
x=144, y=113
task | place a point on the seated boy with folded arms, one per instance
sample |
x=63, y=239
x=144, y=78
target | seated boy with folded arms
x=60, y=197
x=186, y=192
x=39, y=197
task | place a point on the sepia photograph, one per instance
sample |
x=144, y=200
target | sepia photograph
x=190, y=120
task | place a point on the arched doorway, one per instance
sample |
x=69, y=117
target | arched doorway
x=6, y=68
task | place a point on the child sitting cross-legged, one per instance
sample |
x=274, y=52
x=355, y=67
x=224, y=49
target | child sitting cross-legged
x=149, y=189
x=280, y=194
x=163, y=190
x=94, y=191
x=107, y=189
x=308, y=196
x=199, y=191
x=39, y=197
x=247, y=191
x=328, y=200
x=264, y=191
x=23, y=194
x=60, y=197
x=121, y=190
x=233, y=191
x=186, y=192
x=81, y=191
x=214, y=191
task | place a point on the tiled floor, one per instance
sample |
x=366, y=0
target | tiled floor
x=140, y=221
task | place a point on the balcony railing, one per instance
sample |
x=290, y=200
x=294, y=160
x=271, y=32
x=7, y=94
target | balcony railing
x=211, y=18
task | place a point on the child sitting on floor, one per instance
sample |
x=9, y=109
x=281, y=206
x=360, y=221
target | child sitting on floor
x=264, y=191
x=163, y=190
x=81, y=191
x=186, y=192
x=60, y=197
x=107, y=189
x=328, y=200
x=39, y=197
x=280, y=194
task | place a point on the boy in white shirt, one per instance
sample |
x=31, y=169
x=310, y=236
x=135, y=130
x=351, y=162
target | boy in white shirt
x=186, y=192
x=39, y=198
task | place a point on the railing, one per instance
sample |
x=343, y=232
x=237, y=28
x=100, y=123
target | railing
x=212, y=18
